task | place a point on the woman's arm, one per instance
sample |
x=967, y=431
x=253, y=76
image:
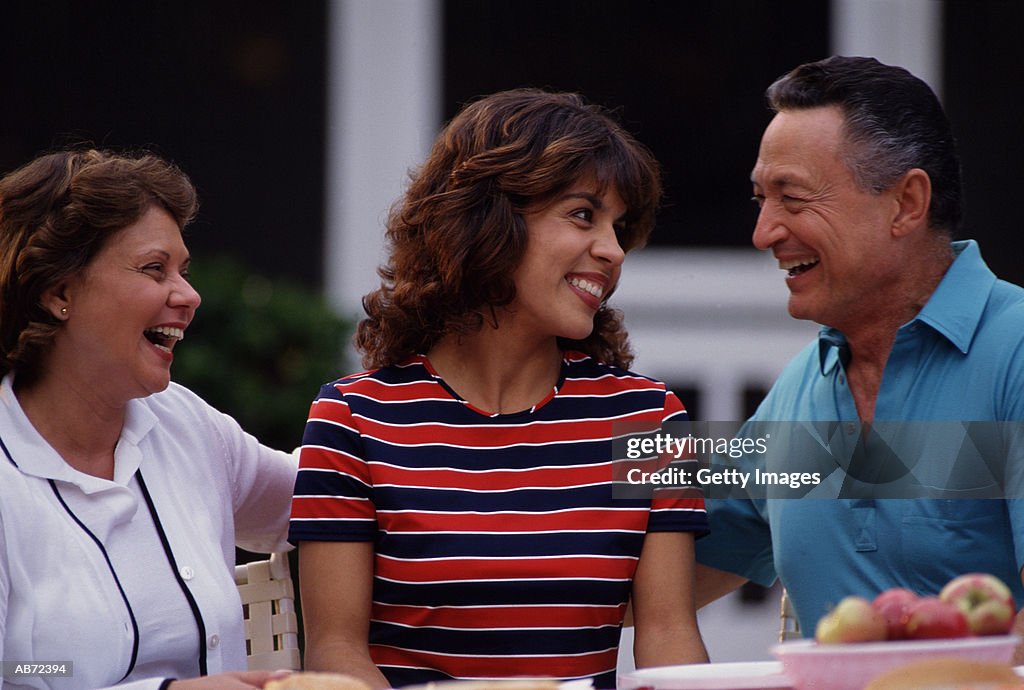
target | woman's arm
x=665, y=618
x=336, y=586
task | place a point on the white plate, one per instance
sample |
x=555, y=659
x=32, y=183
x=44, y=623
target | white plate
x=745, y=675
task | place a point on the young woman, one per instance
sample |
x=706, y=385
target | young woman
x=454, y=507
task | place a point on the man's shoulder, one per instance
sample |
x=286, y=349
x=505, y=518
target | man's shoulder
x=1007, y=297
x=1002, y=321
x=1000, y=299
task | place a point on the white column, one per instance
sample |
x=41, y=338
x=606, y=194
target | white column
x=713, y=318
x=384, y=91
x=907, y=33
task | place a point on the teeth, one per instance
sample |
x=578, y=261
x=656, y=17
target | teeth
x=168, y=332
x=587, y=286
x=790, y=264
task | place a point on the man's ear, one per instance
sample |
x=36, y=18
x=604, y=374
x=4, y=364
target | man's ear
x=913, y=197
x=56, y=301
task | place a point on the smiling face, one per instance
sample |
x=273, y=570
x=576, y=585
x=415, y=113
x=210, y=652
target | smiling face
x=833, y=238
x=572, y=262
x=126, y=311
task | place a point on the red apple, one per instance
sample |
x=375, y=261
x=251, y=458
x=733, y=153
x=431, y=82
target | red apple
x=985, y=600
x=931, y=618
x=852, y=620
x=894, y=605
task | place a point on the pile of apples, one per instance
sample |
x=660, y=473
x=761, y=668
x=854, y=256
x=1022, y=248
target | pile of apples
x=971, y=604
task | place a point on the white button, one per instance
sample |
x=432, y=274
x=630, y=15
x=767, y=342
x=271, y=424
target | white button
x=186, y=572
x=214, y=641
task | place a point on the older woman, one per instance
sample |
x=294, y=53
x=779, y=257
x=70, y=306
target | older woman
x=454, y=506
x=122, y=494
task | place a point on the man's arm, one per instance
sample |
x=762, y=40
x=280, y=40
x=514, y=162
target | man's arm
x=711, y=584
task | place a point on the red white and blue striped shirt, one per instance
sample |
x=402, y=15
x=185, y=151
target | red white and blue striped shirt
x=500, y=549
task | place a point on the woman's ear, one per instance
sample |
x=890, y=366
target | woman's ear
x=55, y=300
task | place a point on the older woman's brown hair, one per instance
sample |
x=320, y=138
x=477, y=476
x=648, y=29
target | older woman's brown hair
x=458, y=234
x=56, y=213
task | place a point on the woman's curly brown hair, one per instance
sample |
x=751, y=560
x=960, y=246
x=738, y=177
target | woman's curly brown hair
x=56, y=213
x=458, y=234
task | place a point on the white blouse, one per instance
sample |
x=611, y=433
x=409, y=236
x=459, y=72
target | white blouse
x=131, y=579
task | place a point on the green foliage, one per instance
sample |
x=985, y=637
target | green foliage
x=259, y=349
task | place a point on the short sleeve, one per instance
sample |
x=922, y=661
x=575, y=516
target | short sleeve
x=333, y=499
x=740, y=541
x=675, y=510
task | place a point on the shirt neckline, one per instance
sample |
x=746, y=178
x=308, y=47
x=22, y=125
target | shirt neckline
x=953, y=310
x=496, y=415
x=34, y=456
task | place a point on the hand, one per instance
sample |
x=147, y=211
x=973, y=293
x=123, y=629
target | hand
x=242, y=680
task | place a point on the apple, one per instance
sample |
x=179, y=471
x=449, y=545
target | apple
x=985, y=600
x=852, y=620
x=894, y=605
x=932, y=618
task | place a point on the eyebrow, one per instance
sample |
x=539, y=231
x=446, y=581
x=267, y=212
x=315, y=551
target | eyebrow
x=592, y=198
x=162, y=254
x=777, y=181
x=147, y=252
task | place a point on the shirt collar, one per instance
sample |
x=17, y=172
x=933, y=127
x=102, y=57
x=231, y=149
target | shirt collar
x=832, y=349
x=35, y=457
x=956, y=306
x=953, y=310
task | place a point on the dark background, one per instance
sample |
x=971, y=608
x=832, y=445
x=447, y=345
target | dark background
x=235, y=93
x=687, y=78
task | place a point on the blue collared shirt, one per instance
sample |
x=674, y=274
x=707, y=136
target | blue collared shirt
x=960, y=359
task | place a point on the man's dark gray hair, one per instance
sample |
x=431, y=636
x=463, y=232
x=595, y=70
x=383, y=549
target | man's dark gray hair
x=894, y=122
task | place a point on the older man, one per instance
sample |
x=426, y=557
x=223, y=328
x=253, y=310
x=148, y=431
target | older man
x=858, y=184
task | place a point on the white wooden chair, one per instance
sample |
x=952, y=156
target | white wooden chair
x=268, y=603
